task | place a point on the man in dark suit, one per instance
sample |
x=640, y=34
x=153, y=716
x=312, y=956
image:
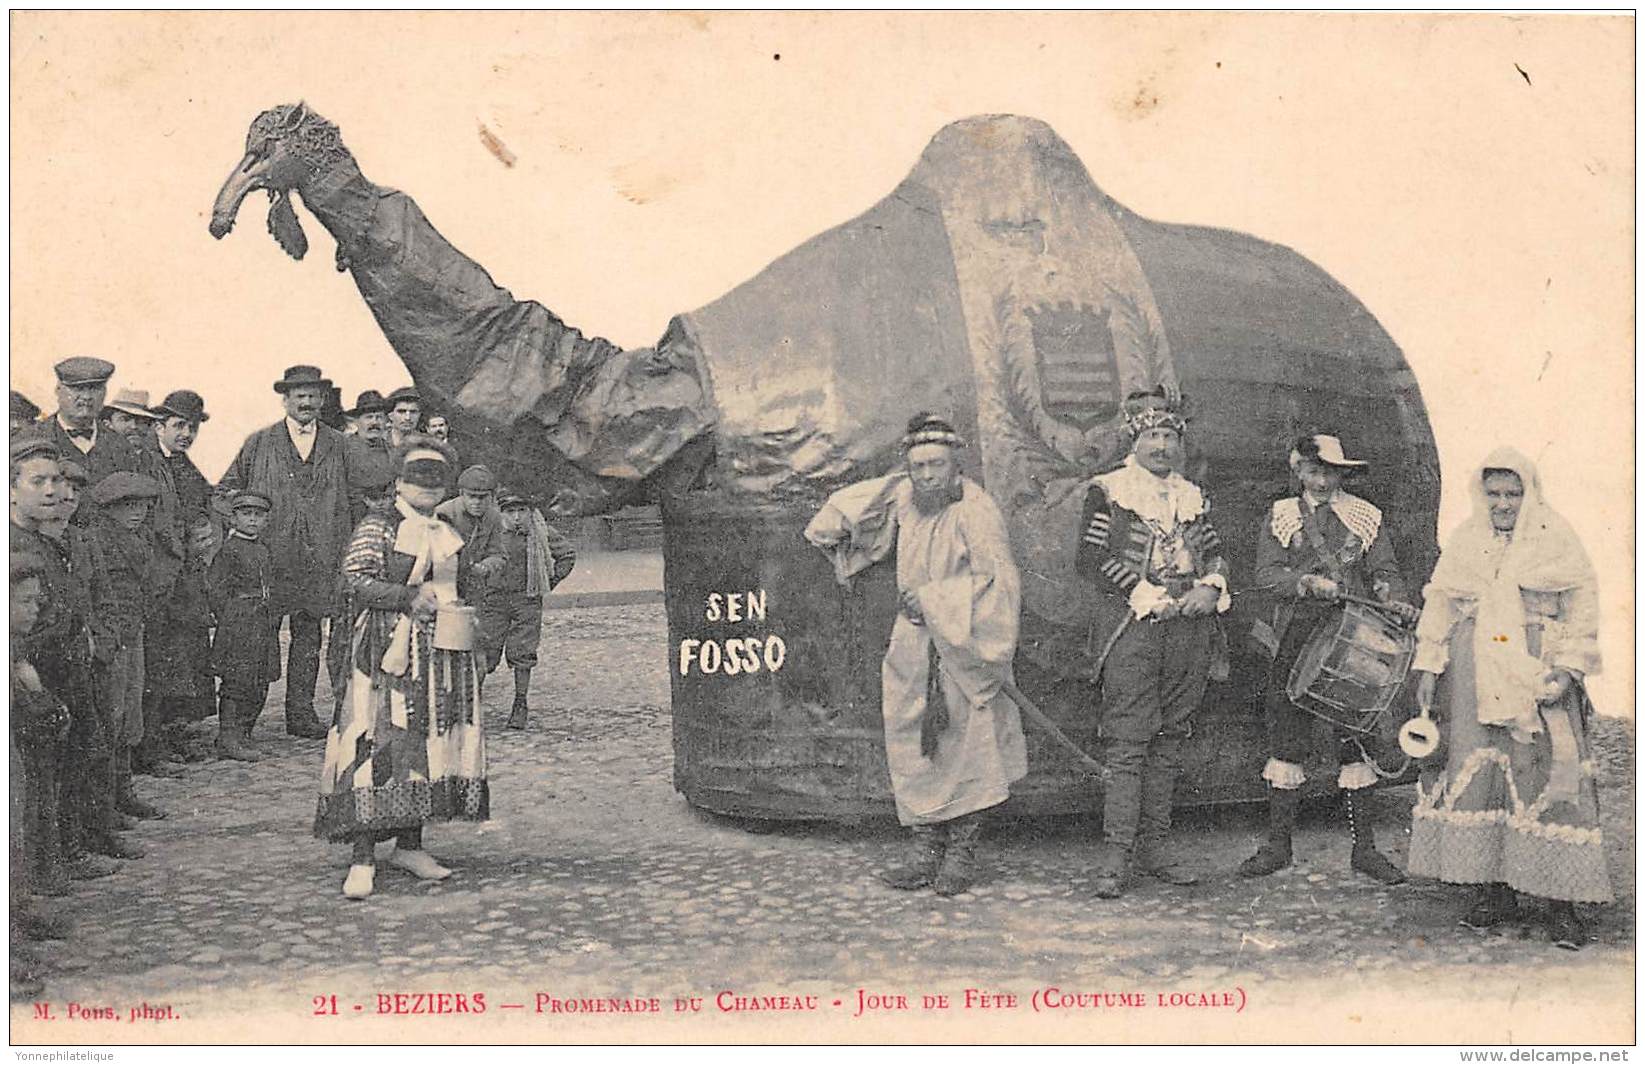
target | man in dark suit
x=301, y=466
x=82, y=388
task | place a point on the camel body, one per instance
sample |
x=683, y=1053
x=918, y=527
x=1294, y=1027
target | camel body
x=996, y=285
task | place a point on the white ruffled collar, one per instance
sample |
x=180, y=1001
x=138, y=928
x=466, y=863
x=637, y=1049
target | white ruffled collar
x=1166, y=501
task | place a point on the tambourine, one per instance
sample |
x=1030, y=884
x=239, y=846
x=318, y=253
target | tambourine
x=1419, y=737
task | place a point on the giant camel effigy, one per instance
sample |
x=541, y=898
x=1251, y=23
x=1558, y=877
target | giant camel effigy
x=997, y=285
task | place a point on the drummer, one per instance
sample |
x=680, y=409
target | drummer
x=1315, y=548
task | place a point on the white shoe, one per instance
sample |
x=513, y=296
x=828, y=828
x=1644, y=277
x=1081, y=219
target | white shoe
x=418, y=864
x=359, y=882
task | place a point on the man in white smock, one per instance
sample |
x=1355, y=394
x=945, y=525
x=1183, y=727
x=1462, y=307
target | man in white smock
x=953, y=739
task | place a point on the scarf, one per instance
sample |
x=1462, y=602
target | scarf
x=428, y=539
x=1542, y=554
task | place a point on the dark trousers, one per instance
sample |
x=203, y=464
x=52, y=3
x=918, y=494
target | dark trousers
x=302, y=664
x=41, y=821
x=511, y=622
x=1152, y=682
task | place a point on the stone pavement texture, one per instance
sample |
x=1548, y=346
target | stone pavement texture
x=595, y=879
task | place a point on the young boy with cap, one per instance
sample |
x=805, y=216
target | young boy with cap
x=536, y=557
x=61, y=648
x=124, y=599
x=245, y=652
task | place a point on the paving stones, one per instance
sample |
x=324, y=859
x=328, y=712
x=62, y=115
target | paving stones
x=595, y=877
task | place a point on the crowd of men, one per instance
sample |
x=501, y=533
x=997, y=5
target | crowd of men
x=145, y=599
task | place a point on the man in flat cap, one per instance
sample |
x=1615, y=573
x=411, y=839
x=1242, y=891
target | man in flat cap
x=405, y=413
x=82, y=387
x=301, y=466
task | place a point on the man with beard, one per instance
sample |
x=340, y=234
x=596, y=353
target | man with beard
x=82, y=386
x=1148, y=544
x=301, y=467
x=953, y=738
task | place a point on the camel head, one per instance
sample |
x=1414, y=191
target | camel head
x=285, y=146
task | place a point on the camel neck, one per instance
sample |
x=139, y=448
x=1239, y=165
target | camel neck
x=342, y=199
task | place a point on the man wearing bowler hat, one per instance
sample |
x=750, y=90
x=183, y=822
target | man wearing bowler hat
x=301, y=466
x=82, y=388
x=369, y=464
x=180, y=416
x=184, y=496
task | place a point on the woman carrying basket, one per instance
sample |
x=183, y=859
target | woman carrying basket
x=407, y=747
x=1317, y=547
x=1509, y=630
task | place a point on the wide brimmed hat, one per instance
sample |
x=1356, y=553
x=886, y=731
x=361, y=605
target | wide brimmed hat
x=132, y=401
x=183, y=404
x=370, y=402
x=1325, y=450
x=298, y=376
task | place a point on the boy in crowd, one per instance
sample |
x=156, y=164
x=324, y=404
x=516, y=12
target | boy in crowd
x=536, y=558
x=39, y=724
x=60, y=647
x=245, y=652
x=124, y=600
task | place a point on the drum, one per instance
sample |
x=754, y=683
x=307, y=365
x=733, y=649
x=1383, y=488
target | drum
x=1352, y=668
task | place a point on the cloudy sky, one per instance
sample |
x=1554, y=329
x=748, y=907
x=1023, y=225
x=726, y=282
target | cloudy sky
x=1470, y=178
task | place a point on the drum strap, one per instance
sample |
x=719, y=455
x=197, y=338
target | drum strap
x=1316, y=540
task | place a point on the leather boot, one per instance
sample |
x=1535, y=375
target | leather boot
x=1159, y=786
x=924, y=858
x=1108, y=878
x=1494, y=904
x=958, y=870
x=111, y=845
x=231, y=729
x=1366, y=858
x=522, y=684
x=125, y=797
x=305, y=726
x=1275, y=852
x=1565, y=930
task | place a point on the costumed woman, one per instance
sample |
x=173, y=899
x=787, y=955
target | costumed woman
x=407, y=747
x=1509, y=631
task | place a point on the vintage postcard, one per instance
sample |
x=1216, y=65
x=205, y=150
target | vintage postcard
x=822, y=527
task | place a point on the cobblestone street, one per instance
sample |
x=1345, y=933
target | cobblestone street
x=595, y=880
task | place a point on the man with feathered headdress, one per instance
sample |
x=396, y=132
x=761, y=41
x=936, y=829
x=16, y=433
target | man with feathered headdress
x=953, y=738
x=1147, y=542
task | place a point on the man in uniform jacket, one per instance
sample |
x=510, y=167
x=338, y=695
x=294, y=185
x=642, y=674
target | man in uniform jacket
x=1147, y=542
x=300, y=465
x=82, y=387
